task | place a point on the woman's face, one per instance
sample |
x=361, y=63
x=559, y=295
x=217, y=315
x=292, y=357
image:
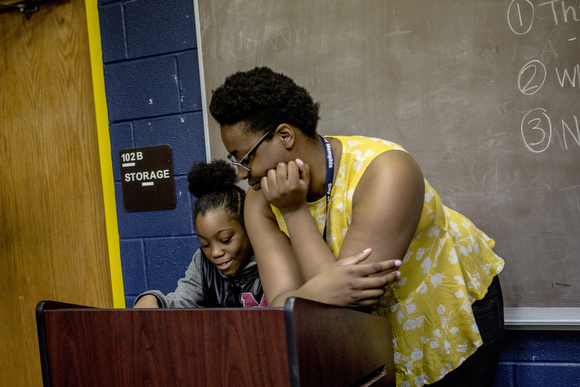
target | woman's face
x=223, y=240
x=238, y=143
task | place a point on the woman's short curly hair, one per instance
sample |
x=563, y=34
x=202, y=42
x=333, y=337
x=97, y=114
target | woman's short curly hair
x=264, y=99
x=214, y=186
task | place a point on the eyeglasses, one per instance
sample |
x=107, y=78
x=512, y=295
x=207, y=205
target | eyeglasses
x=246, y=158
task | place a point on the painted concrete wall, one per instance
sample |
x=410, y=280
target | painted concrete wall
x=540, y=359
x=153, y=96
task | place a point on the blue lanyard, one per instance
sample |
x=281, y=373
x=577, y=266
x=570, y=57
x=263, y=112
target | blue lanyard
x=329, y=177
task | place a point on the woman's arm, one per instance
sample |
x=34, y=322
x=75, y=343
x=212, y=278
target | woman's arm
x=286, y=188
x=279, y=272
x=349, y=282
x=386, y=208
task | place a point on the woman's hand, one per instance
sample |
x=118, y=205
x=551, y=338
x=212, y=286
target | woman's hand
x=147, y=301
x=286, y=186
x=350, y=283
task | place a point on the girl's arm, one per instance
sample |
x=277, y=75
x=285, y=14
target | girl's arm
x=188, y=294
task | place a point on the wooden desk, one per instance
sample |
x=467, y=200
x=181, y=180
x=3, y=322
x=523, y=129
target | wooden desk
x=304, y=344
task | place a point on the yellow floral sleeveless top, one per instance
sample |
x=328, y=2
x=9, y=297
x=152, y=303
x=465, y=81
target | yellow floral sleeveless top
x=449, y=265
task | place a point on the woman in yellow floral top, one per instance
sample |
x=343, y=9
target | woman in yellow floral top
x=351, y=221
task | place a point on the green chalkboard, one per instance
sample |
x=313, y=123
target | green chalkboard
x=484, y=94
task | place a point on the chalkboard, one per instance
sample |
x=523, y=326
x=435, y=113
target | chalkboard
x=484, y=94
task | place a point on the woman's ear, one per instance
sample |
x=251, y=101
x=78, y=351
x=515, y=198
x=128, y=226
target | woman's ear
x=287, y=135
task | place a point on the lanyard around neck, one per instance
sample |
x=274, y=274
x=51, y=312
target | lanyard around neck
x=329, y=177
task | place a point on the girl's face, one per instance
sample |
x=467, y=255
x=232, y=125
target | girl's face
x=223, y=241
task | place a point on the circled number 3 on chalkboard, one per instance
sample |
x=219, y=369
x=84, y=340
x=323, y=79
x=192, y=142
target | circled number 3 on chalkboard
x=536, y=125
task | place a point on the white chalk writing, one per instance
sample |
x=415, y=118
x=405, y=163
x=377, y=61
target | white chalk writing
x=536, y=126
x=562, y=12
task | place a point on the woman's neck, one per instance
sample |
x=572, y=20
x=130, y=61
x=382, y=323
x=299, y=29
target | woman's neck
x=318, y=162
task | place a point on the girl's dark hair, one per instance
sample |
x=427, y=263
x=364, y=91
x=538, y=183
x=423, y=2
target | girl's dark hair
x=214, y=186
x=264, y=99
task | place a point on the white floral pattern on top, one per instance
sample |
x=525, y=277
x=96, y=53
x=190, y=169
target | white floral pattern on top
x=448, y=266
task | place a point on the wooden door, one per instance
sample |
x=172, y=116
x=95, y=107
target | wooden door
x=53, y=241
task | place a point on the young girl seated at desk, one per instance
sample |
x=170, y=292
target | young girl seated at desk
x=223, y=272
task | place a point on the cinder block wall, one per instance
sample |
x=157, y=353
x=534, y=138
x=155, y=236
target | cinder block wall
x=540, y=359
x=153, y=97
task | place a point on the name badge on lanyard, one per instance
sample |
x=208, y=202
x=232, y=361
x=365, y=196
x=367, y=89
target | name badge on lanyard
x=329, y=176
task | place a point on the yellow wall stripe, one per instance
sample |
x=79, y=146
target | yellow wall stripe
x=105, y=153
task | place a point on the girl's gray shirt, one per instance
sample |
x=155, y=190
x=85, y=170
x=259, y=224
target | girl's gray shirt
x=189, y=292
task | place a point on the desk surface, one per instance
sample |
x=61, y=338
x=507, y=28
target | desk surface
x=306, y=343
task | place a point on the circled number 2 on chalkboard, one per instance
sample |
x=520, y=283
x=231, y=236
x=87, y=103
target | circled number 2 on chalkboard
x=536, y=126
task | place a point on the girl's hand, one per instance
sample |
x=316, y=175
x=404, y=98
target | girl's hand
x=147, y=301
x=350, y=283
x=286, y=186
